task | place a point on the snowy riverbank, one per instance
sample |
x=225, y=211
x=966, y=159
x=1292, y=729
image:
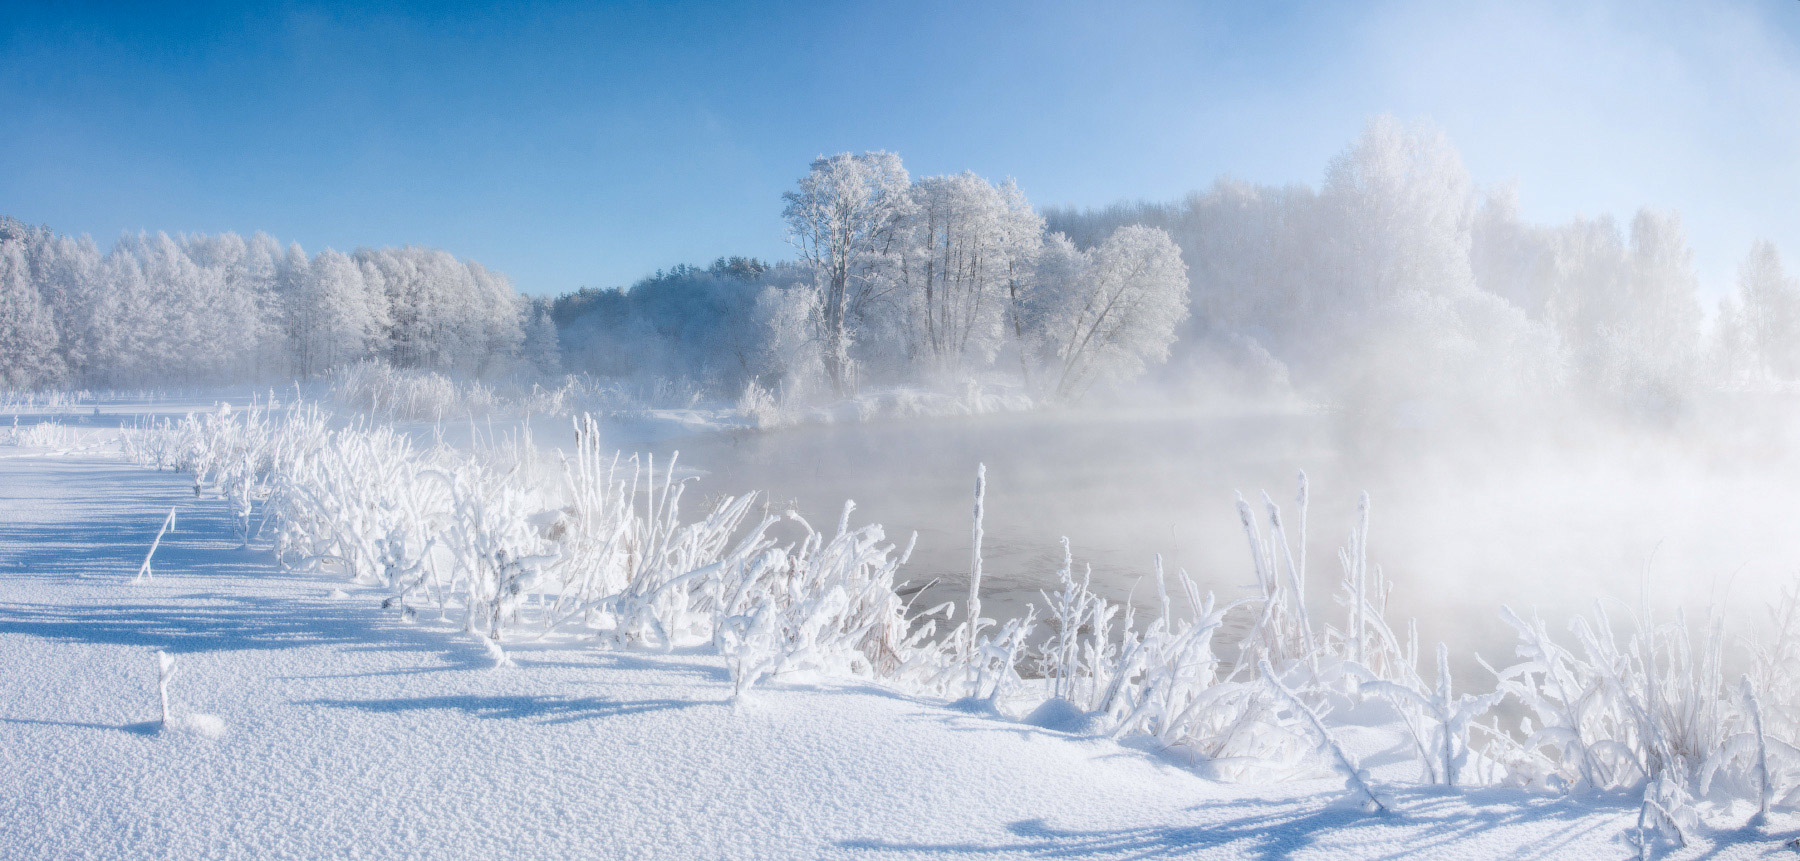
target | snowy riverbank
x=350, y=733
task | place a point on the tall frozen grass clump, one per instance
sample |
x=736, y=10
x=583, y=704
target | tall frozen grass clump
x=395, y=394
x=379, y=389
x=51, y=400
x=43, y=434
x=510, y=543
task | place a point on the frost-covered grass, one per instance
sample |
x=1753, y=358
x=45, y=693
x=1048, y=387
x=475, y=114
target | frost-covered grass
x=380, y=390
x=57, y=434
x=21, y=401
x=518, y=545
x=54, y=401
x=764, y=408
x=45, y=434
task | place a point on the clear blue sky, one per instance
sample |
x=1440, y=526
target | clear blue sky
x=569, y=145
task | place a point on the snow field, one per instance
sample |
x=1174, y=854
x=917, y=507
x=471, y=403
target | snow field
x=502, y=539
x=349, y=730
x=352, y=734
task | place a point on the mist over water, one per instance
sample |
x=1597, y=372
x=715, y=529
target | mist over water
x=1463, y=522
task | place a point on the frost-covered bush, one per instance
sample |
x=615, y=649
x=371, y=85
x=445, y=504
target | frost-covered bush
x=762, y=407
x=379, y=389
x=509, y=538
x=48, y=400
x=1166, y=682
x=825, y=605
x=511, y=541
x=1647, y=708
x=48, y=434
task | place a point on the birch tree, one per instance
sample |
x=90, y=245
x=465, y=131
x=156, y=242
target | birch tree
x=1768, y=312
x=842, y=220
x=1105, y=313
x=968, y=248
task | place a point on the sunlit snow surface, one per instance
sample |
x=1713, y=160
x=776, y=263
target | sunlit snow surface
x=339, y=731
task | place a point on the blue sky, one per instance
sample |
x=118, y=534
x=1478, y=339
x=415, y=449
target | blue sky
x=572, y=145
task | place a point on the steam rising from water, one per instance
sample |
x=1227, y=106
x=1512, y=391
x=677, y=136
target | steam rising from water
x=1462, y=523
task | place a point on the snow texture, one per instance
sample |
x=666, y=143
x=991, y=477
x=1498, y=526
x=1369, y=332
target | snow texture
x=311, y=726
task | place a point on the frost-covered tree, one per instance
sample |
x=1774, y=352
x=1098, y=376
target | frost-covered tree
x=499, y=318
x=541, y=350
x=1665, y=305
x=788, y=354
x=343, y=318
x=65, y=271
x=1402, y=206
x=28, y=339
x=1103, y=314
x=844, y=220
x=1508, y=257
x=1768, y=301
x=966, y=251
x=161, y=301
x=220, y=308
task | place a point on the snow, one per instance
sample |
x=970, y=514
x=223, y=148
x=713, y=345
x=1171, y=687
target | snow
x=309, y=723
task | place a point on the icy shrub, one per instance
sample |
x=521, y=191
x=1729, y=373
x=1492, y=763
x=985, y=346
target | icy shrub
x=380, y=389
x=761, y=408
x=819, y=604
x=511, y=541
x=46, y=434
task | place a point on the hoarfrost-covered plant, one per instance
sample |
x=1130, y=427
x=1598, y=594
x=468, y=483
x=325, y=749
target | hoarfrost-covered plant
x=1104, y=313
x=165, y=672
x=168, y=525
x=974, y=605
x=1649, y=713
x=511, y=541
x=819, y=605
x=1438, y=722
x=1356, y=780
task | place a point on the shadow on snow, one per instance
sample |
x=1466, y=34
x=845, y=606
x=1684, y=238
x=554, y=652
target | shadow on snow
x=539, y=709
x=1430, y=820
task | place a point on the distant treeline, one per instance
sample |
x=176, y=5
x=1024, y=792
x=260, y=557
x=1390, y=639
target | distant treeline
x=156, y=310
x=933, y=283
x=1395, y=282
x=1399, y=278
x=689, y=322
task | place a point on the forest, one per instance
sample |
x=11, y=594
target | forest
x=1396, y=286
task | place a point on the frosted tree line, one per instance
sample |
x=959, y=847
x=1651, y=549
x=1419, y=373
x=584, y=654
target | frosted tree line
x=688, y=322
x=161, y=310
x=927, y=283
x=1399, y=279
x=939, y=279
x=1396, y=281
x=1396, y=284
x=931, y=283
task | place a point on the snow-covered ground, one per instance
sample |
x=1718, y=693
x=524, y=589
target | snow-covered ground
x=344, y=732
